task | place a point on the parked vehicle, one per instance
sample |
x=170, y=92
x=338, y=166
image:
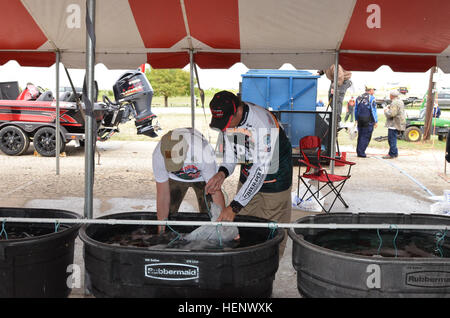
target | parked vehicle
x=415, y=127
x=443, y=99
x=31, y=115
x=409, y=101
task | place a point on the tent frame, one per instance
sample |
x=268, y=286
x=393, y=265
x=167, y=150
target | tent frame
x=89, y=127
x=90, y=75
x=90, y=63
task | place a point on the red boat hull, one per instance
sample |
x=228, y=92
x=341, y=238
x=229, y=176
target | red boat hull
x=44, y=112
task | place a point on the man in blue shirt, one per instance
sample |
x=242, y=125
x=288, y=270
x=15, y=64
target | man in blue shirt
x=367, y=119
x=436, y=111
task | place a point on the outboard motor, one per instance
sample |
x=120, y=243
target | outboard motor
x=134, y=88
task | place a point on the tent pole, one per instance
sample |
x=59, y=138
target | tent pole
x=58, y=128
x=191, y=61
x=89, y=120
x=89, y=125
x=334, y=112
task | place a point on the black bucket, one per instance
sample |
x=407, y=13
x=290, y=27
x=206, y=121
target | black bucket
x=371, y=263
x=123, y=271
x=35, y=257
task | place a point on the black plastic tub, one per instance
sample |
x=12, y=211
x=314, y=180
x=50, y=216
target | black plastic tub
x=123, y=271
x=406, y=263
x=34, y=258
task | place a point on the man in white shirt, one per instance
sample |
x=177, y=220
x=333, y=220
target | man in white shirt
x=183, y=159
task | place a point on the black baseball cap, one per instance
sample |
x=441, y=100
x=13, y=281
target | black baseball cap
x=223, y=106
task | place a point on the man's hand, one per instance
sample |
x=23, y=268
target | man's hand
x=215, y=183
x=227, y=215
x=375, y=125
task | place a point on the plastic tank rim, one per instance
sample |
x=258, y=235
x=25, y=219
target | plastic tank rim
x=299, y=239
x=89, y=240
x=46, y=237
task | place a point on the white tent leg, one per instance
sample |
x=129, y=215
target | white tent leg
x=89, y=128
x=191, y=61
x=58, y=128
x=89, y=120
x=334, y=112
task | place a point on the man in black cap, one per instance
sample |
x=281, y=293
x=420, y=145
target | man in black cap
x=366, y=118
x=253, y=137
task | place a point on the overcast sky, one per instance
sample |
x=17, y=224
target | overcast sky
x=383, y=78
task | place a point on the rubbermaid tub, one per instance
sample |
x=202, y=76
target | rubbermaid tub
x=34, y=258
x=123, y=271
x=325, y=272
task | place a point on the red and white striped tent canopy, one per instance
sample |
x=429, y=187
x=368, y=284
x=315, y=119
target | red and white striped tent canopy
x=407, y=35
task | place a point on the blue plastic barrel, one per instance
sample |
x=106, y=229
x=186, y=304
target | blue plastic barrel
x=284, y=90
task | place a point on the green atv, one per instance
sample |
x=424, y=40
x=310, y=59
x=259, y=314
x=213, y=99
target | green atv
x=415, y=127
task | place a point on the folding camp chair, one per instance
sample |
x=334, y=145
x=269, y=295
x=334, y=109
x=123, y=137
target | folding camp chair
x=310, y=149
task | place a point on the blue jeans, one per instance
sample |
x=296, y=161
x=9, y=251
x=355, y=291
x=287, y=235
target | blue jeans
x=364, y=136
x=392, y=139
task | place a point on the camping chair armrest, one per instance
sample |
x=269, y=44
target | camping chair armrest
x=309, y=164
x=340, y=160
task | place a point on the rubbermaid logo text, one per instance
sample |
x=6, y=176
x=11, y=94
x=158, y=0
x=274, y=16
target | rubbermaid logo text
x=428, y=279
x=171, y=271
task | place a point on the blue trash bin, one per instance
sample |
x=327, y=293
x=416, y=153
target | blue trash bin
x=287, y=91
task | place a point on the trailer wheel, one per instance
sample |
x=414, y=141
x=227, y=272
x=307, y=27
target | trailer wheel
x=413, y=134
x=13, y=141
x=45, y=142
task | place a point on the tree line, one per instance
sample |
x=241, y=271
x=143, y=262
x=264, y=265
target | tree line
x=169, y=83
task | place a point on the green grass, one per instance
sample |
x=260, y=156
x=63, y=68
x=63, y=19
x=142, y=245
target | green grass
x=172, y=121
x=176, y=101
x=180, y=101
x=381, y=130
x=167, y=122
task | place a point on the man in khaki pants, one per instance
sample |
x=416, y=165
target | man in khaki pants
x=395, y=122
x=253, y=137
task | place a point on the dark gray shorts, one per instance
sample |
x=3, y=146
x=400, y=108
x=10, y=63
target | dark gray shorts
x=178, y=191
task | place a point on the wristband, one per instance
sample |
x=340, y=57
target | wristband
x=225, y=171
x=236, y=206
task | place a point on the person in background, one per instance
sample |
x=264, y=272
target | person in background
x=319, y=103
x=366, y=118
x=330, y=97
x=436, y=111
x=395, y=122
x=343, y=84
x=350, y=109
x=447, y=147
x=181, y=160
x=253, y=137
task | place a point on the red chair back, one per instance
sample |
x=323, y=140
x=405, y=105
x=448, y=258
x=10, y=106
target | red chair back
x=309, y=142
x=310, y=148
